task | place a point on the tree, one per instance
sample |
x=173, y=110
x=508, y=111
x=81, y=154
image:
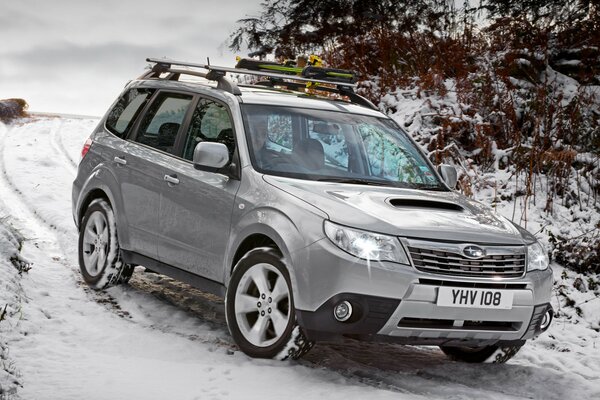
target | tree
x=289, y=27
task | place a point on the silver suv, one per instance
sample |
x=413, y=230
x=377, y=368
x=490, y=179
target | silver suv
x=316, y=218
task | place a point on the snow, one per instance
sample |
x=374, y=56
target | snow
x=157, y=338
x=11, y=298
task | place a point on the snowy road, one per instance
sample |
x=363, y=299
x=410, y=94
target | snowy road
x=158, y=339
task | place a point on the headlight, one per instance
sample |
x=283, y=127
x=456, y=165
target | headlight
x=537, y=258
x=366, y=245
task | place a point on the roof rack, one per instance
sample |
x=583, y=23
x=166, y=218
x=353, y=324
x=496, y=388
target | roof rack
x=216, y=73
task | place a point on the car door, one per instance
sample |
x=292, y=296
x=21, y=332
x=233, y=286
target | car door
x=196, y=206
x=120, y=123
x=149, y=151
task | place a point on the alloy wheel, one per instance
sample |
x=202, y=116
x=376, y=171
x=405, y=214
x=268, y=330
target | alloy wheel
x=262, y=305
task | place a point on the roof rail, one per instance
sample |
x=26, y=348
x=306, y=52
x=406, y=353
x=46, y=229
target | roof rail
x=216, y=73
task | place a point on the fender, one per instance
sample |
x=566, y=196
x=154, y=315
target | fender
x=287, y=235
x=102, y=178
x=266, y=221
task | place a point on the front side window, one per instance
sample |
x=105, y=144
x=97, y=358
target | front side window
x=334, y=146
x=210, y=122
x=122, y=116
x=161, y=123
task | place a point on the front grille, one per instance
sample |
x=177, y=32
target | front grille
x=511, y=265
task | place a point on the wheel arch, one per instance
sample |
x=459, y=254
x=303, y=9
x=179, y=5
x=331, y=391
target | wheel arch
x=99, y=185
x=251, y=242
x=89, y=197
x=273, y=227
x=255, y=236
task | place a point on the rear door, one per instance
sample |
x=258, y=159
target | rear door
x=120, y=122
x=149, y=152
x=196, y=206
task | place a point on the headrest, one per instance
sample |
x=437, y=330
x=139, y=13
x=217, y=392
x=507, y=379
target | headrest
x=168, y=129
x=312, y=154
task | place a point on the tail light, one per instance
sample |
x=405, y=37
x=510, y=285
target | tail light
x=86, y=147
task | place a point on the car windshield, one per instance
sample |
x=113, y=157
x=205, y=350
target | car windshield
x=334, y=146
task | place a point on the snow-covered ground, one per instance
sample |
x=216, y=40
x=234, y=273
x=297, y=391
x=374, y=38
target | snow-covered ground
x=157, y=338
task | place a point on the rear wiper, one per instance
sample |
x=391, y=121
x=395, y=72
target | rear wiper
x=356, y=181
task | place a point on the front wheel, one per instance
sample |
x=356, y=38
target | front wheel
x=488, y=354
x=99, y=252
x=260, y=308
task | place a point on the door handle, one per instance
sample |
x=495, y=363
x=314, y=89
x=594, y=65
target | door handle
x=171, y=179
x=121, y=161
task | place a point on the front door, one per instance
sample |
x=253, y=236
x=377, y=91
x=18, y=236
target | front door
x=196, y=206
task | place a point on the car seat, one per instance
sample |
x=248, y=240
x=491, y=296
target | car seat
x=167, y=133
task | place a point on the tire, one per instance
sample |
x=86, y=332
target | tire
x=488, y=354
x=99, y=252
x=260, y=308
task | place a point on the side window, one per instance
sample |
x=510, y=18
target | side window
x=124, y=113
x=210, y=123
x=334, y=144
x=161, y=123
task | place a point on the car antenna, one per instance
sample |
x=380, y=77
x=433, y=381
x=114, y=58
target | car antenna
x=208, y=61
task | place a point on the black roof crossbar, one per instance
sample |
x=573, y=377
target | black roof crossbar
x=166, y=66
x=216, y=73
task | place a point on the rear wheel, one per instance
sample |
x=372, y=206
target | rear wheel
x=99, y=252
x=260, y=308
x=489, y=354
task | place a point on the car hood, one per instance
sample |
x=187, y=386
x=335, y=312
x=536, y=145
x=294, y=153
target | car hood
x=406, y=212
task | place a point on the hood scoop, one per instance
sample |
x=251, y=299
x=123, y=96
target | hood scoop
x=422, y=203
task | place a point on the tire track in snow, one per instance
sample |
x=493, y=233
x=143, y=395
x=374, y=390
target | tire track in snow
x=13, y=198
x=59, y=147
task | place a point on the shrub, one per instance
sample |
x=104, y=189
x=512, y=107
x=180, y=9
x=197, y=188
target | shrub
x=11, y=109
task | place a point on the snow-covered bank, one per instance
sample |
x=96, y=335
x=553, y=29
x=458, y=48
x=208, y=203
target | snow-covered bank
x=158, y=338
x=551, y=190
x=12, y=296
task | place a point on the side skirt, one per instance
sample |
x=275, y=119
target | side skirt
x=197, y=281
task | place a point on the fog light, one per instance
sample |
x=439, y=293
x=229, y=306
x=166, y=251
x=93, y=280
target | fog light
x=343, y=311
x=546, y=320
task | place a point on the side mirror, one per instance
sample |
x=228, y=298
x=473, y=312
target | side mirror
x=210, y=155
x=449, y=175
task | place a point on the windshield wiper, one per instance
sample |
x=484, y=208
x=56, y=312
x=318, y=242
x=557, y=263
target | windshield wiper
x=437, y=188
x=404, y=185
x=356, y=181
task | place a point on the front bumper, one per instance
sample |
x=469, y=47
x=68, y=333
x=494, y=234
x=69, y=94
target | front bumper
x=398, y=303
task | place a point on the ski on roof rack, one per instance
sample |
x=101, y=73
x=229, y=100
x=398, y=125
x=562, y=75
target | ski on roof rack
x=330, y=75
x=276, y=74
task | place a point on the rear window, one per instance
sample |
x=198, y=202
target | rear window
x=123, y=114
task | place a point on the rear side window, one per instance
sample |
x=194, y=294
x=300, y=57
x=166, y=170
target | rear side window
x=162, y=122
x=124, y=113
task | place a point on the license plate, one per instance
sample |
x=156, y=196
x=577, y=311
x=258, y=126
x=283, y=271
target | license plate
x=475, y=298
